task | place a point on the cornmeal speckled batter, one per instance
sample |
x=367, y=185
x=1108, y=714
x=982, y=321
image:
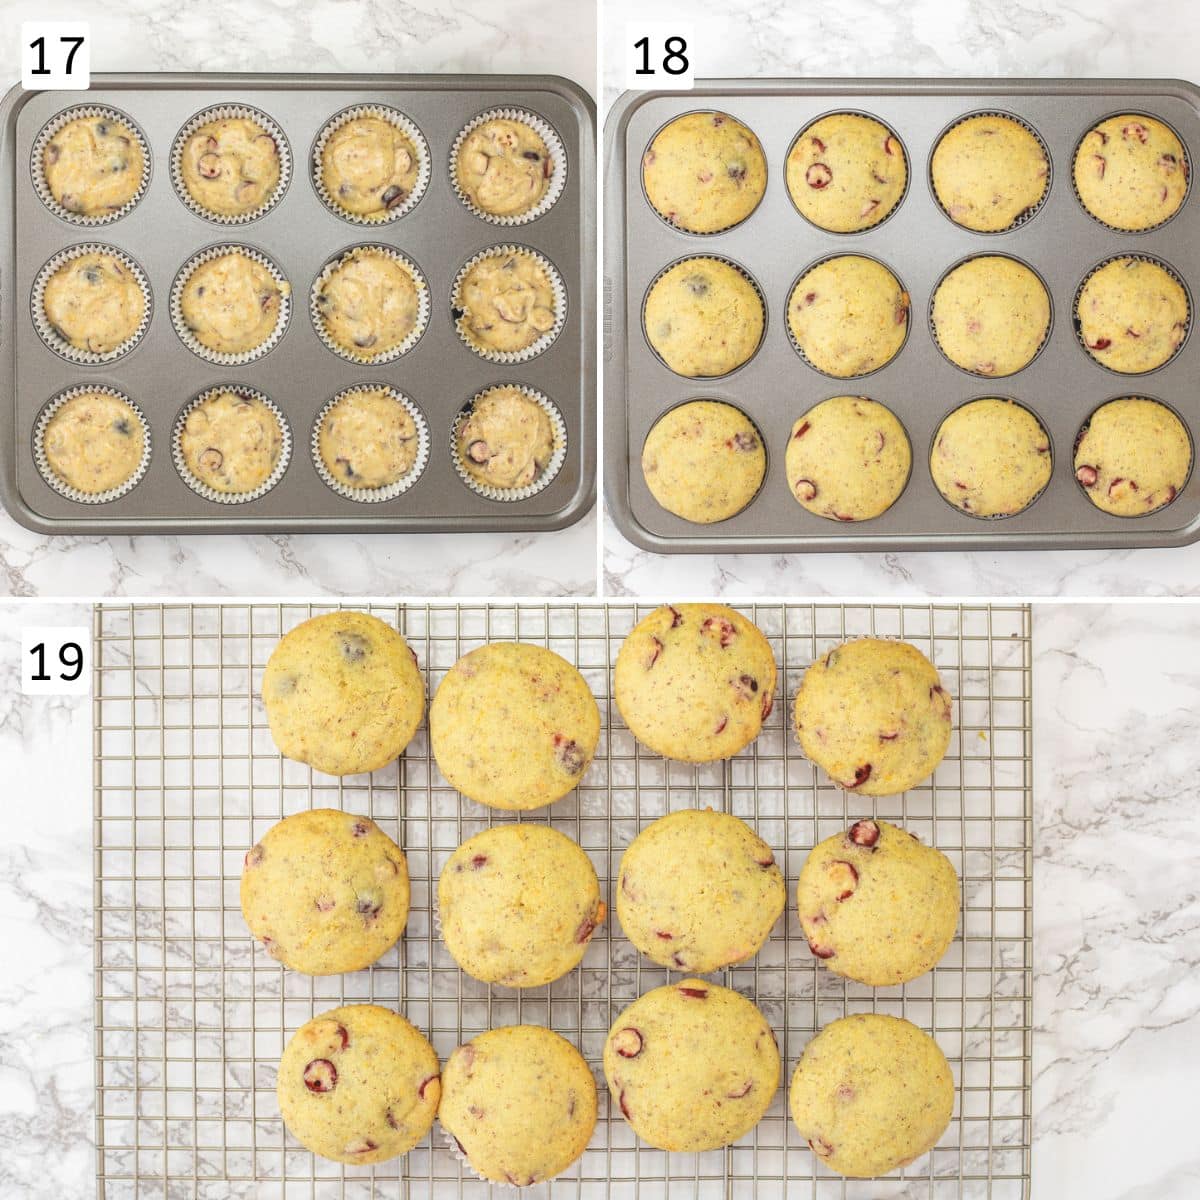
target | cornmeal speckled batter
x=369, y=303
x=368, y=439
x=94, y=303
x=503, y=167
x=1133, y=315
x=231, y=304
x=506, y=303
x=93, y=166
x=230, y=167
x=94, y=442
x=369, y=166
x=231, y=442
x=507, y=439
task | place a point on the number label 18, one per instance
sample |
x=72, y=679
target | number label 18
x=55, y=54
x=659, y=55
x=55, y=660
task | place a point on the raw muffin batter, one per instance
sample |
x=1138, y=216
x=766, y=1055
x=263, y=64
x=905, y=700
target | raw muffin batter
x=94, y=442
x=699, y=891
x=1133, y=315
x=1131, y=172
x=991, y=458
x=704, y=461
x=358, y=1084
x=1133, y=457
x=846, y=172
x=368, y=439
x=230, y=167
x=325, y=892
x=520, y=1102
x=231, y=303
x=94, y=166
x=991, y=315
x=848, y=459
x=507, y=439
x=513, y=726
x=874, y=714
x=369, y=167
x=518, y=905
x=368, y=304
x=704, y=318
x=876, y=905
x=871, y=1093
x=505, y=303
x=231, y=442
x=94, y=303
x=989, y=171
x=704, y=172
x=503, y=167
x=849, y=316
x=692, y=1066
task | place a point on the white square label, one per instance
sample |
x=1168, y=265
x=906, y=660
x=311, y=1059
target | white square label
x=55, y=54
x=659, y=54
x=56, y=660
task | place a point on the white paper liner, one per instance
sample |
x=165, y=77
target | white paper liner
x=367, y=495
x=47, y=331
x=460, y=1156
x=223, y=112
x=43, y=465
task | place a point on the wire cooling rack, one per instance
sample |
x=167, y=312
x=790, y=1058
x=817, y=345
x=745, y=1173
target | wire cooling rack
x=191, y=1015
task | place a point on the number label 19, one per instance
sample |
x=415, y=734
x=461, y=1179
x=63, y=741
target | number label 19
x=55, y=54
x=55, y=660
x=659, y=55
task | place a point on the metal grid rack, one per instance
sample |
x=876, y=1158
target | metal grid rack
x=191, y=1016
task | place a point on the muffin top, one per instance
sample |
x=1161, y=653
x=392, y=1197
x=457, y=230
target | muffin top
x=1133, y=315
x=94, y=442
x=504, y=167
x=369, y=303
x=231, y=304
x=368, y=439
x=505, y=303
x=369, y=167
x=507, y=439
x=94, y=166
x=94, y=303
x=230, y=167
x=231, y=442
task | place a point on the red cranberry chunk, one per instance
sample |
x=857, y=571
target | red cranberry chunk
x=425, y=1085
x=739, y=1092
x=818, y=176
x=569, y=754
x=768, y=703
x=844, y=877
x=676, y=617
x=695, y=993
x=805, y=489
x=652, y=655
x=820, y=1147
x=628, y=1042
x=1087, y=475
x=320, y=1075
x=624, y=1106
x=720, y=628
x=359, y=829
x=864, y=833
x=361, y=1146
x=255, y=855
x=820, y=949
x=805, y=426
x=861, y=775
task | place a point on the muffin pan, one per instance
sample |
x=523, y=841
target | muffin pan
x=918, y=242
x=300, y=234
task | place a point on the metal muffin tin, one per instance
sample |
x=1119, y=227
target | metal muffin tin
x=440, y=374
x=1063, y=385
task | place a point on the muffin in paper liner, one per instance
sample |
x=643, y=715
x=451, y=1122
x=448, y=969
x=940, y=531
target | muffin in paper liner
x=423, y=305
x=210, y=493
x=557, y=458
x=51, y=336
x=554, y=147
x=223, y=112
x=61, y=486
x=37, y=166
x=557, y=287
x=407, y=127
x=188, y=338
x=366, y=495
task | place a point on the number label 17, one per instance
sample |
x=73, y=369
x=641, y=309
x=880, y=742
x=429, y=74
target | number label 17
x=55, y=54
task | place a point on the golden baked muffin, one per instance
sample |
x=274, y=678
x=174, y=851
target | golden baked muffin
x=704, y=318
x=505, y=303
x=988, y=172
x=94, y=303
x=695, y=682
x=503, y=167
x=94, y=166
x=343, y=693
x=1131, y=172
x=991, y=458
x=692, y=1066
x=368, y=167
x=848, y=316
x=231, y=442
x=513, y=726
x=991, y=315
x=699, y=891
x=848, y=459
x=232, y=304
x=325, y=892
x=704, y=461
x=1133, y=315
x=518, y=905
x=369, y=303
x=874, y=715
x=368, y=439
x=230, y=167
x=520, y=1102
x=94, y=443
x=507, y=440
x=358, y=1084
x=1133, y=457
x=876, y=905
x=704, y=172
x=846, y=172
x=871, y=1093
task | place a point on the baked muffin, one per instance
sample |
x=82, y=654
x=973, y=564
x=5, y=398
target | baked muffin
x=232, y=304
x=699, y=891
x=704, y=172
x=230, y=167
x=876, y=905
x=343, y=693
x=695, y=682
x=692, y=1066
x=848, y=316
x=871, y=1093
x=848, y=459
x=1132, y=314
x=506, y=440
x=1131, y=172
x=94, y=443
x=704, y=318
x=704, y=461
x=94, y=166
x=513, y=726
x=991, y=315
x=369, y=303
x=991, y=458
x=520, y=1102
x=505, y=303
x=988, y=172
x=1133, y=456
x=368, y=439
x=518, y=905
x=368, y=167
x=846, y=172
x=358, y=1084
x=503, y=167
x=874, y=715
x=325, y=892
x=94, y=303
x=231, y=442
